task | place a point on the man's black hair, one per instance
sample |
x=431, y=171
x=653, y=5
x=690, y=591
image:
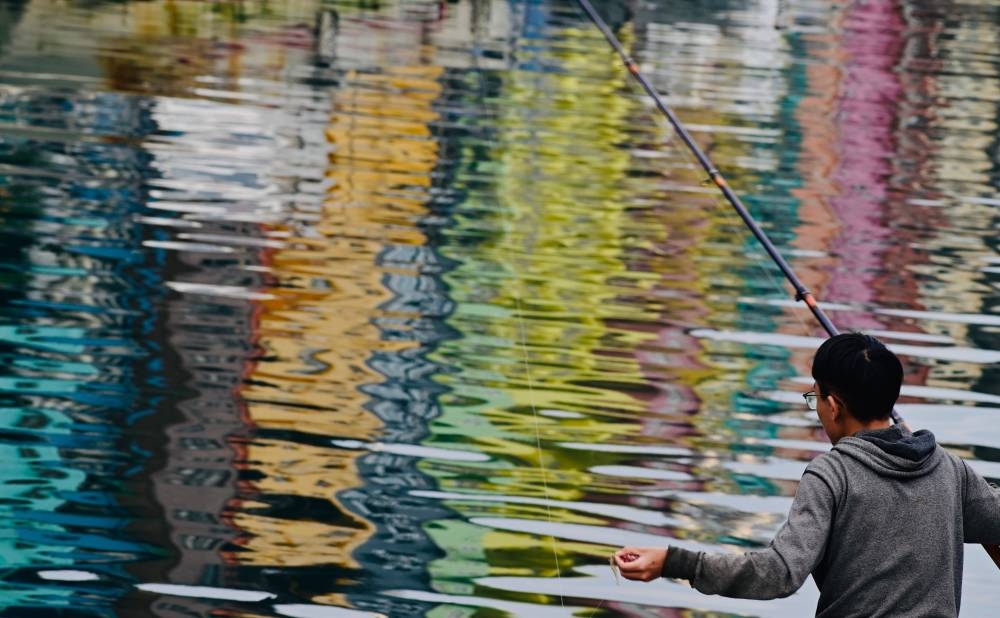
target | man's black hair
x=860, y=371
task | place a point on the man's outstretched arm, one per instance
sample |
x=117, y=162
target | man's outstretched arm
x=777, y=571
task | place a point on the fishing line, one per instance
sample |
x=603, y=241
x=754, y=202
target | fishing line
x=522, y=329
x=538, y=433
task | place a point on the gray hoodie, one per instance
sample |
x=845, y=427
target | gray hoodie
x=879, y=521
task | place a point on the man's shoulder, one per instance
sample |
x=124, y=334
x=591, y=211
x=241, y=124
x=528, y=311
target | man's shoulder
x=955, y=462
x=851, y=455
x=830, y=466
x=832, y=457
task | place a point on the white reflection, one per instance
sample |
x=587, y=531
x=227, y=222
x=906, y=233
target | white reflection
x=937, y=316
x=206, y=592
x=751, y=504
x=628, y=448
x=661, y=593
x=322, y=611
x=598, y=535
x=511, y=607
x=413, y=450
x=69, y=576
x=950, y=353
x=194, y=247
x=560, y=414
x=222, y=291
x=642, y=473
x=625, y=513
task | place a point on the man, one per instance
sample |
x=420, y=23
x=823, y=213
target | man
x=879, y=521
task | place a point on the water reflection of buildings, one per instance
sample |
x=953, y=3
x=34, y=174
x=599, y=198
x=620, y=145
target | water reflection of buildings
x=732, y=91
x=206, y=218
x=346, y=348
x=324, y=350
x=865, y=111
x=339, y=357
x=77, y=340
x=865, y=162
x=708, y=270
x=955, y=132
x=200, y=233
x=312, y=293
x=548, y=167
x=207, y=340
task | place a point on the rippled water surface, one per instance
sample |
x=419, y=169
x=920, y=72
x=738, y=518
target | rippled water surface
x=415, y=308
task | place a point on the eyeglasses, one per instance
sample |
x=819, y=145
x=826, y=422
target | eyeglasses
x=810, y=398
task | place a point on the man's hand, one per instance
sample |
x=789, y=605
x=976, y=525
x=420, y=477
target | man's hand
x=641, y=563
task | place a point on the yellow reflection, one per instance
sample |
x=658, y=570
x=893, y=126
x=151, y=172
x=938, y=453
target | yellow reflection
x=534, y=301
x=318, y=334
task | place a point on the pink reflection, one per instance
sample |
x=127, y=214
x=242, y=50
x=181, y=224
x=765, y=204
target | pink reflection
x=865, y=115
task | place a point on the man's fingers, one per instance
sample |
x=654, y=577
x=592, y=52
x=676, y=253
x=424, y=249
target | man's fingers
x=639, y=565
x=632, y=565
x=626, y=555
x=642, y=576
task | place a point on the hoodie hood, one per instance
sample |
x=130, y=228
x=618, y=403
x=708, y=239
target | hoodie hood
x=893, y=451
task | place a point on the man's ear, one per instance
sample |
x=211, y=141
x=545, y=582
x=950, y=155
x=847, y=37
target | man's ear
x=836, y=408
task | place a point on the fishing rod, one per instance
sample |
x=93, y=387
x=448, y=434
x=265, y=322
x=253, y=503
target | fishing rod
x=802, y=293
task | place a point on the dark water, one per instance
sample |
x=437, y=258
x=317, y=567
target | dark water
x=333, y=309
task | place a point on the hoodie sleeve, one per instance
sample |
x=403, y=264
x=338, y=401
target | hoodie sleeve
x=777, y=571
x=981, y=509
